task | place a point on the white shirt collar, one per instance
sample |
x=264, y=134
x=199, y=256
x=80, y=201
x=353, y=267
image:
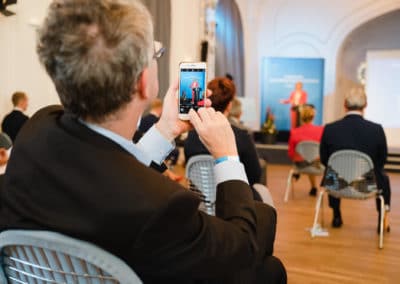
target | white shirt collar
x=128, y=145
x=357, y=112
x=19, y=109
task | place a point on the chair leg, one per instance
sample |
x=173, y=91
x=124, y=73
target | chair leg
x=317, y=207
x=381, y=221
x=288, y=185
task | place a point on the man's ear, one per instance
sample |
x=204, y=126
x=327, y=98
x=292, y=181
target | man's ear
x=142, y=84
x=3, y=156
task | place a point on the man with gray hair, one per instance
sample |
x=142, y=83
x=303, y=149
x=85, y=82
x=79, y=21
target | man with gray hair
x=75, y=170
x=356, y=133
x=235, y=113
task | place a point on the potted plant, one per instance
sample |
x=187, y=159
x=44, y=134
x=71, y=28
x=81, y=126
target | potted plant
x=268, y=128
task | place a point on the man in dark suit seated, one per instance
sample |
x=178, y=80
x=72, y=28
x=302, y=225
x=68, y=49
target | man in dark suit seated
x=13, y=121
x=356, y=133
x=75, y=170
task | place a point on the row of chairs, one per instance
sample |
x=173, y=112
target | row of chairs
x=346, y=167
x=346, y=177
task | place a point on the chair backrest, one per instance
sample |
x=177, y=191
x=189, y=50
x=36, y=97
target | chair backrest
x=352, y=166
x=200, y=172
x=48, y=257
x=308, y=150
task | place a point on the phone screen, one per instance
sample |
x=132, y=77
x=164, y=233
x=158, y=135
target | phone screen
x=192, y=87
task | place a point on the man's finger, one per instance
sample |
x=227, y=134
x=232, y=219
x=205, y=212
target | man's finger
x=207, y=103
x=204, y=114
x=172, y=90
x=194, y=118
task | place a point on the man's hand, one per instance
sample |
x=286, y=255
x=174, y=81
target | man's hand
x=169, y=124
x=214, y=131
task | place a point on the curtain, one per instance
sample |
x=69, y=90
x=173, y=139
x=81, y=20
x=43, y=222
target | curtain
x=229, y=51
x=161, y=13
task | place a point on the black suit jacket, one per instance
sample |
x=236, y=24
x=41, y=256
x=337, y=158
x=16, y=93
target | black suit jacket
x=245, y=146
x=147, y=122
x=13, y=122
x=64, y=177
x=356, y=133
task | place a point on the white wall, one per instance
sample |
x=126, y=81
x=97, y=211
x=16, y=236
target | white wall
x=303, y=28
x=381, y=33
x=383, y=75
x=21, y=70
x=185, y=34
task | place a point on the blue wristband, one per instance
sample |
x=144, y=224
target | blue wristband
x=226, y=158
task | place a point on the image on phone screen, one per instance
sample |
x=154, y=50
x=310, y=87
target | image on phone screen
x=192, y=89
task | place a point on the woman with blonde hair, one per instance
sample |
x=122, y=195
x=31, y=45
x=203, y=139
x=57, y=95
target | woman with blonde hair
x=307, y=131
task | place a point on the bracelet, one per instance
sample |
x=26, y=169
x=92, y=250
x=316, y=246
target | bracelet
x=226, y=158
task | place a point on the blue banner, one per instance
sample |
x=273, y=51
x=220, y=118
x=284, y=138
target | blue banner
x=279, y=77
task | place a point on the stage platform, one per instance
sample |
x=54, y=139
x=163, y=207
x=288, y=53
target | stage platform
x=393, y=162
x=277, y=154
x=274, y=153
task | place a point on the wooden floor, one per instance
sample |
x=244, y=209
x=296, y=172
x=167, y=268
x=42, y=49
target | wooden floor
x=350, y=254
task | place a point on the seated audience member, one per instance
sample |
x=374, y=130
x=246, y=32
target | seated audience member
x=76, y=171
x=223, y=92
x=306, y=132
x=356, y=133
x=147, y=121
x=235, y=113
x=5, y=150
x=13, y=121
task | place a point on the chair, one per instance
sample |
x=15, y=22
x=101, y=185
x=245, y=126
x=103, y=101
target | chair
x=350, y=175
x=200, y=172
x=48, y=257
x=265, y=194
x=309, y=151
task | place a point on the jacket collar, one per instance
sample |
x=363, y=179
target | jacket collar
x=354, y=112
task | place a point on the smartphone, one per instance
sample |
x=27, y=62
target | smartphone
x=192, y=87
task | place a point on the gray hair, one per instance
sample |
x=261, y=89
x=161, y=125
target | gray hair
x=95, y=52
x=355, y=99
